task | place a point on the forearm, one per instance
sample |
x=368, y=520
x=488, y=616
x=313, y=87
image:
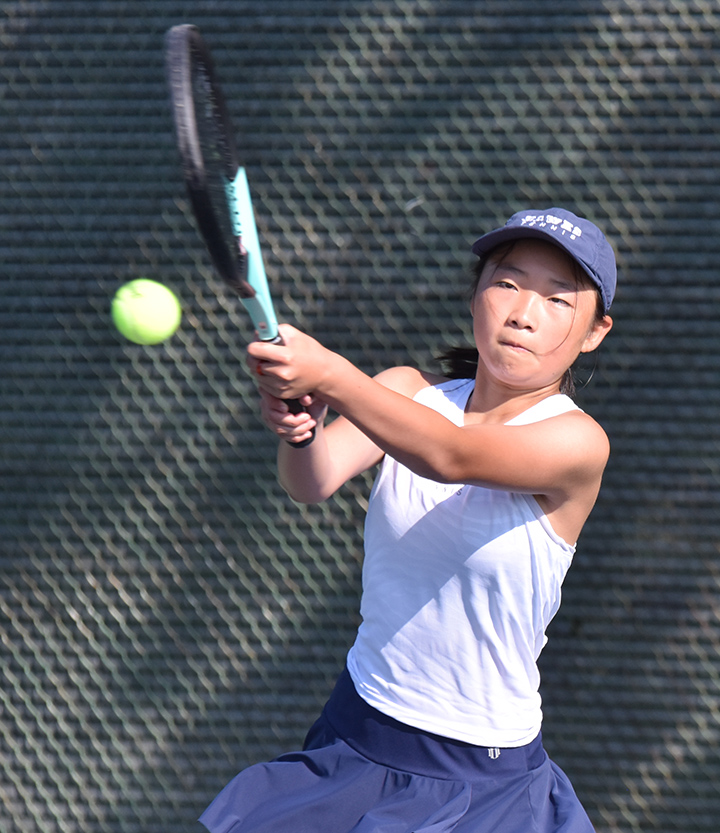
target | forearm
x=339, y=452
x=304, y=473
x=413, y=434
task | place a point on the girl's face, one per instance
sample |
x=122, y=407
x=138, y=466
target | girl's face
x=533, y=315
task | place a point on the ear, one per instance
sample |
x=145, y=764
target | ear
x=598, y=332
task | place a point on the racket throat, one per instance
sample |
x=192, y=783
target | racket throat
x=258, y=304
x=266, y=330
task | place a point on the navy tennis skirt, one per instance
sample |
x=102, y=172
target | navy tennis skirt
x=363, y=772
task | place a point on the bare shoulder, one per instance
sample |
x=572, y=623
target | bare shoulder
x=407, y=380
x=582, y=437
x=581, y=447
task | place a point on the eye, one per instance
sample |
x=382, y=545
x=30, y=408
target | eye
x=561, y=302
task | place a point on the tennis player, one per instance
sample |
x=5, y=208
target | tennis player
x=484, y=486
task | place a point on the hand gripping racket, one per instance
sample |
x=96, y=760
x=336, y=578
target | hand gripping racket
x=216, y=183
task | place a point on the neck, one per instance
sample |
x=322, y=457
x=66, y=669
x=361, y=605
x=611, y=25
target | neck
x=493, y=403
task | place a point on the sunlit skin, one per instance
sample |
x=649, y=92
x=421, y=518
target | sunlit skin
x=532, y=316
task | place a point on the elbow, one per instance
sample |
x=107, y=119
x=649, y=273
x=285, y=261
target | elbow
x=306, y=500
x=300, y=493
x=300, y=496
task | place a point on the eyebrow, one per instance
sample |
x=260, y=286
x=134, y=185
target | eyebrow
x=508, y=267
x=560, y=283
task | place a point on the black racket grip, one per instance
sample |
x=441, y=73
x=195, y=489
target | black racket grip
x=296, y=408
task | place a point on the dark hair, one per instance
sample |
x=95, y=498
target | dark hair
x=461, y=361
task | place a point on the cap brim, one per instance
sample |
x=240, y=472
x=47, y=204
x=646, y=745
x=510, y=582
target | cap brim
x=505, y=235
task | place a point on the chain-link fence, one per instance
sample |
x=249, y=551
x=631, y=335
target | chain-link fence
x=167, y=615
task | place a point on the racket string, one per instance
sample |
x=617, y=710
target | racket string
x=218, y=163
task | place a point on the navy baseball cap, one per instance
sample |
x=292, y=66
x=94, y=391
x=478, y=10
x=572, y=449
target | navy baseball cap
x=580, y=238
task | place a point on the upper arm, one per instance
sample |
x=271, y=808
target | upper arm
x=558, y=457
x=554, y=457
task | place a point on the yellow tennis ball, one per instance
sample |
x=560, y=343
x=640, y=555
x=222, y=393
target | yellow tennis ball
x=145, y=312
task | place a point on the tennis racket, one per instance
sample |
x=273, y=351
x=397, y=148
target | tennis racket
x=217, y=185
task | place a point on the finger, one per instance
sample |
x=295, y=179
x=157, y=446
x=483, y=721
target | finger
x=272, y=402
x=272, y=413
x=264, y=351
x=297, y=434
x=253, y=365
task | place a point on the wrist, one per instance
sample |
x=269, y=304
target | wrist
x=338, y=379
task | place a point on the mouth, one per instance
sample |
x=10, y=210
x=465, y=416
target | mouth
x=513, y=345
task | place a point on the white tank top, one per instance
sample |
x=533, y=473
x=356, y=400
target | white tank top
x=459, y=585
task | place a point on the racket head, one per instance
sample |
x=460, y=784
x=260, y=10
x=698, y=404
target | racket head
x=216, y=184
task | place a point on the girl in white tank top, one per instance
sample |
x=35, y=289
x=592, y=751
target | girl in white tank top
x=485, y=483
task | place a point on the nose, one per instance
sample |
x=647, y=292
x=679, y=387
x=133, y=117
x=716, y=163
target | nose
x=522, y=314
